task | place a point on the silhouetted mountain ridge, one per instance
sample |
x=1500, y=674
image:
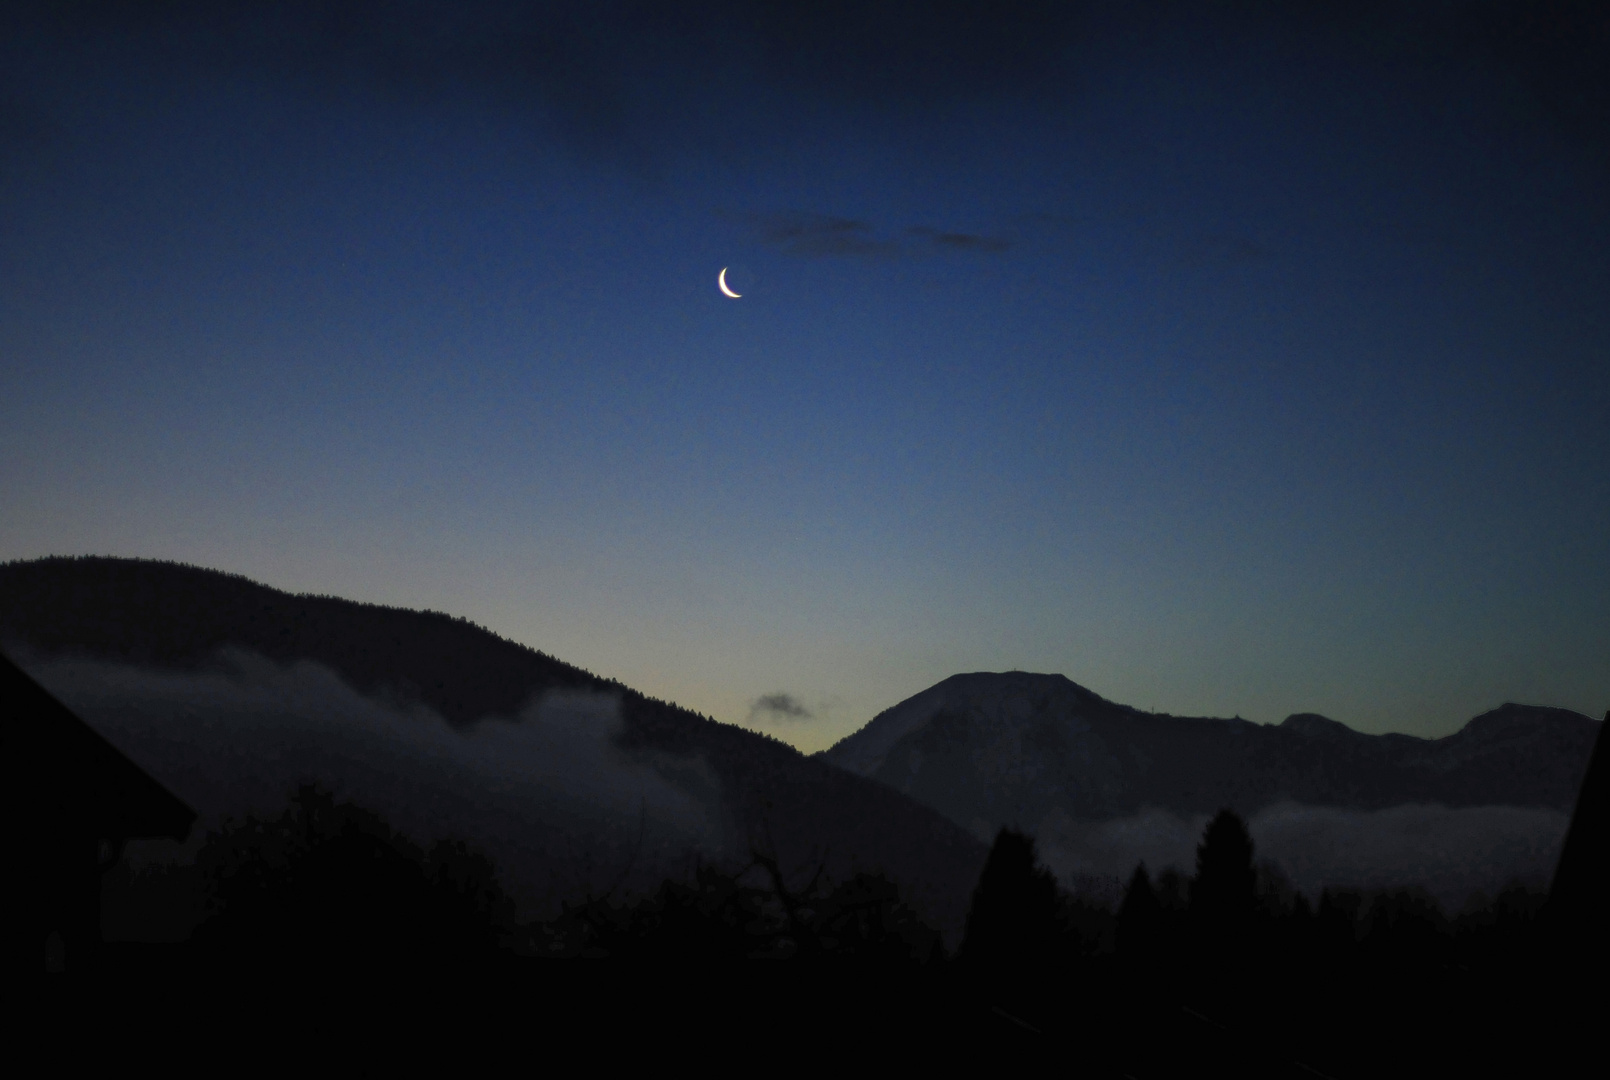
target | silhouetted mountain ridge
x=171, y=616
x=991, y=749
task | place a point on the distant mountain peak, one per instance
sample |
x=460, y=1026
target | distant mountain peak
x=1510, y=714
x=1012, y=748
x=1003, y=695
x=1316, y=726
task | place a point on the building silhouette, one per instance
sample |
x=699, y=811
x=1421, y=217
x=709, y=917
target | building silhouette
x=73, y=800
x=1577, y=897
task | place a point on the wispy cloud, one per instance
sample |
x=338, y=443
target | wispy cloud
x=778, y=706
x=817, y=235
x=958, y=241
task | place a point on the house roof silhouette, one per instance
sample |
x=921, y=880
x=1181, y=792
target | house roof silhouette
x=1582, y=877
x=64, y=775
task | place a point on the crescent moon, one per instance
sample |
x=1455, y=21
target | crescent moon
x=721, y=279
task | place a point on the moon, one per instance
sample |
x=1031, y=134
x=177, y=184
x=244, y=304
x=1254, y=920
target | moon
x=721, y=279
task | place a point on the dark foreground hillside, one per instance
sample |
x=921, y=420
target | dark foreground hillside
x=165, y=617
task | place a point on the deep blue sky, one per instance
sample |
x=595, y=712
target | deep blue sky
x=1225, y=360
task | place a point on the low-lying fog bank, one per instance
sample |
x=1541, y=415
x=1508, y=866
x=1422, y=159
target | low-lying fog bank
x=550, y=798
x=1452, y=853
x=563, y=812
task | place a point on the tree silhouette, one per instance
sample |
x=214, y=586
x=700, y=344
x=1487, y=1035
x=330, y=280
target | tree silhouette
x=864, y=918
x=1225, y=888
x=716, y=917
x=1335, y=931
x=1138, y=919
x=1404, y=927
x=330, y=885
x=1223, y=904
x=708, y=918
x=1013, y=923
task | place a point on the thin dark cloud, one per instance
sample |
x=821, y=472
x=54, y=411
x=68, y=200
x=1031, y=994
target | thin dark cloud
x=958, y=241
x=778, y=706
x=820, y=235
x=634, y=71
x=815, y=235
x=638, y=71
x=907, y=49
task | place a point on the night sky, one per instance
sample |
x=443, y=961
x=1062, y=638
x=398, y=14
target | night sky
x=1227, y=360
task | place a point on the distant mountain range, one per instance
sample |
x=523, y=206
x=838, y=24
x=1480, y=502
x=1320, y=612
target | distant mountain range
x=76, y=619
x=993, y=749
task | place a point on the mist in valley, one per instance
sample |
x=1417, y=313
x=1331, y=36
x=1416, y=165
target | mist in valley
x=546, y=794
x=1459, y=855
x=565, y=813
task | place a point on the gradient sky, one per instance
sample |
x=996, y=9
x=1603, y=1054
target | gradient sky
x=1226, y=360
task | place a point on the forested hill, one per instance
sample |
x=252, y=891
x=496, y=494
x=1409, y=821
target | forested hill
x=160, y=615
x=166, y=615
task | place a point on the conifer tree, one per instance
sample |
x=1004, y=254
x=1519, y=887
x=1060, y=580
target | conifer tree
x=1224, y=902
x=1013, y=922
x=1225, y=887
x=1138, y=918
